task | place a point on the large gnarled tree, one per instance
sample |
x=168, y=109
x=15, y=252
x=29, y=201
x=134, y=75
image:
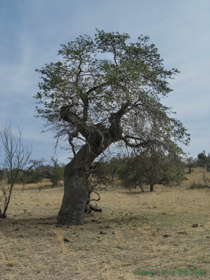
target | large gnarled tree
x=104, y=90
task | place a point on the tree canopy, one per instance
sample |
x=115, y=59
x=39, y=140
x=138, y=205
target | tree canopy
x=105, y=77
x=152, y=167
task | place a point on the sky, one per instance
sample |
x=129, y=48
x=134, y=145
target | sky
x=31, y=33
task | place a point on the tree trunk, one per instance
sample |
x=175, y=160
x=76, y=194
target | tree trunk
x=76, y=188
x=151, y=187
x=75, y=197
x=76, y=173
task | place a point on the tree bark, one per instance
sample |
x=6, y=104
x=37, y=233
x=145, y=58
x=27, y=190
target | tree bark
x=76, y=173
x=76, y=191
x=74, y=200
x=151, y=187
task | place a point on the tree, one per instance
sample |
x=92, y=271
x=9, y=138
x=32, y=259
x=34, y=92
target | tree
x=56, y=173
x=208, y=163
x=32, y=175
x=202, y=159
x=153, y=167
x=130, y=172
x=15, y=158
x=190, y=163
x=104, y=90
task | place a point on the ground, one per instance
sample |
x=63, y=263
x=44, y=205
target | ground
x=165, y=233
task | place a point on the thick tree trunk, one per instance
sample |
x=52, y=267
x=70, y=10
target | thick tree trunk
x=75, y=197
x=98, y=138
x=76, y=191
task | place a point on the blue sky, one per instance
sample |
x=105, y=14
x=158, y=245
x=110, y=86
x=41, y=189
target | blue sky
x=32, y=31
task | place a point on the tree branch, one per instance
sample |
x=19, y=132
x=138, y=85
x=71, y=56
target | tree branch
x=72, y=118
x=85, y=109
x=115, y=130
x=142, y=144
x=95, y=87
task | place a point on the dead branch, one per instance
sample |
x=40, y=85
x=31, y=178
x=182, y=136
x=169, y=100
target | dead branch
x=95, y=208
x=93, y=199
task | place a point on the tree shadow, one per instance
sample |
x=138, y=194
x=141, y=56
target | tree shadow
x=29, y=226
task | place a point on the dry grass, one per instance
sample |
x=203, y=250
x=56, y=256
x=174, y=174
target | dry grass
x=168, y=229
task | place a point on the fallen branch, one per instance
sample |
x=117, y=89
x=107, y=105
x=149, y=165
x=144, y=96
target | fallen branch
x=95, y=208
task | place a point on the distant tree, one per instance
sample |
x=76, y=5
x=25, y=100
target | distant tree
x=45, y=170
x=27, y=176
x=202, y=159
x=151, y=167
x=130, y=172
x=56, y=173
x=52, y=171
x=190, y=163
x=108, y=168
x=208, y=163
x=15, y=157
x=33, y=175
x=206, y=178
x=104, y=90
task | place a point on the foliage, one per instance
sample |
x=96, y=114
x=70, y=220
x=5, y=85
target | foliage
x=56, y=173
x=52, y=171
x=130, y=173
x=27, y=176
x=208, y=163
x=190, y=163
x=203, y=160
x=152, y=167
x=101, y=76
x=104, y=170
x=33, y=176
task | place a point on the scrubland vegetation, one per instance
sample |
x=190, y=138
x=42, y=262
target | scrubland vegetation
x=167, y=230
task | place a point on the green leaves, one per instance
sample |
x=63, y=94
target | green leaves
x=96, y=76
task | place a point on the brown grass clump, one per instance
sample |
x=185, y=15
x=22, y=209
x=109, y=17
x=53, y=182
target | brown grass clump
x=166, y=231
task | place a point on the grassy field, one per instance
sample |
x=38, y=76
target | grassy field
x=160, y=235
